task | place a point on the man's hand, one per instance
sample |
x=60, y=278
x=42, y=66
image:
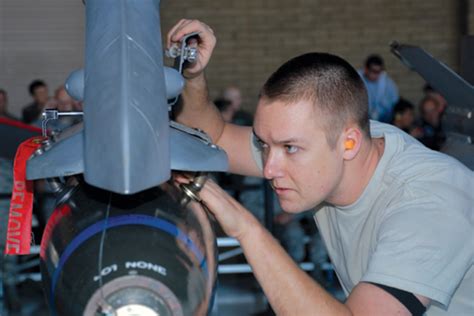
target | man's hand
x=199, y=112
x=205, y=44
x=234, y=219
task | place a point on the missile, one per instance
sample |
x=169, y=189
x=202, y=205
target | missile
x=104, y=253
x=123, y=240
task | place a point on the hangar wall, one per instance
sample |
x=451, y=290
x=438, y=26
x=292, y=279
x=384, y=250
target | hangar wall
x=44, y=39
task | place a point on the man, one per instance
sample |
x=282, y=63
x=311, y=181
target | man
x=432, y=135
x=397, y=218
x=233, y=94
x=39, y=92
x=430, y=92
x=240, y=117
x=225, y=107
x=383, y=93
x=4, y=105
x=404, y=115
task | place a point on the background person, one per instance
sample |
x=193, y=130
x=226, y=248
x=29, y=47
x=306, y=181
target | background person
x=4, y=106
x=431, y=131
x=39, y=92
x=404, y=116
x=234, y=96
x=382, y=90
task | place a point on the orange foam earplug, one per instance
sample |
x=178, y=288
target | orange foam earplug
x=349, y=144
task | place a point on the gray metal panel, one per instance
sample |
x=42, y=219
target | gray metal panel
x=174, y=83
x=455, y=89
x=460, y=150
x=75, y=84
x=458, y=118
x=189, y=153
x=65, y=157
x=467, y=58
x=458, y=92
x=125, y=109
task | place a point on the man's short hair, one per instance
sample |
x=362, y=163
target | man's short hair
x=374, y=60
x=330, y=83
x=34, y=85
x=402, y=106
x=4, y=92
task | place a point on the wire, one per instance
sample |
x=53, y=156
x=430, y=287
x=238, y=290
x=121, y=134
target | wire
x=101, y=248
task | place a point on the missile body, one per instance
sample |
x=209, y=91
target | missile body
x=141, y=254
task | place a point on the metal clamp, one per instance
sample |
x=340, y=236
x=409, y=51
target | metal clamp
x=53, y=114
x=191, y=193
x=183, y=53
x=191, y=190
x=194, y=132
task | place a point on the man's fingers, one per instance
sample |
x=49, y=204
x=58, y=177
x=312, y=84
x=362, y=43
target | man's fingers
x=173, y=35
x=180, y=177
x=172, y=31
x=231, y=215
x=208, y=191
x=212, y=193
x=205, y=43
x=190, y=26
x=213, y=187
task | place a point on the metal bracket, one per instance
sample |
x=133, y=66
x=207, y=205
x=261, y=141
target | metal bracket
x=195, y=132
x=53, y=114
x=182, y=54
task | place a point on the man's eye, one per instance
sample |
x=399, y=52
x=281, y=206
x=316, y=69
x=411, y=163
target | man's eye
x=261, y=144
x=291, y=149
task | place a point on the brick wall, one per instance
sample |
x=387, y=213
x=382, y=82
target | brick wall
x=38, y=39
x=254, y=37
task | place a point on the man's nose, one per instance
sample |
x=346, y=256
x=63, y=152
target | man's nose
x=272, y=167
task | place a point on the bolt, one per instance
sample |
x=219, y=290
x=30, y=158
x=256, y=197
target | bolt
x=107, y=310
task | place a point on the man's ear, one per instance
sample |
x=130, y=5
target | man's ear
x=351, y=142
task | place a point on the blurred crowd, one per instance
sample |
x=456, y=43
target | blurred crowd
x=40, y=101
x=386, y=105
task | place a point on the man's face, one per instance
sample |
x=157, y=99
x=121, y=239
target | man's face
x=235, y=97
x=430, y=112
x=64, y=101
x=303, y=169
x=441, y=100
x=407, y=118
x=40, y=95
x=373, y=72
